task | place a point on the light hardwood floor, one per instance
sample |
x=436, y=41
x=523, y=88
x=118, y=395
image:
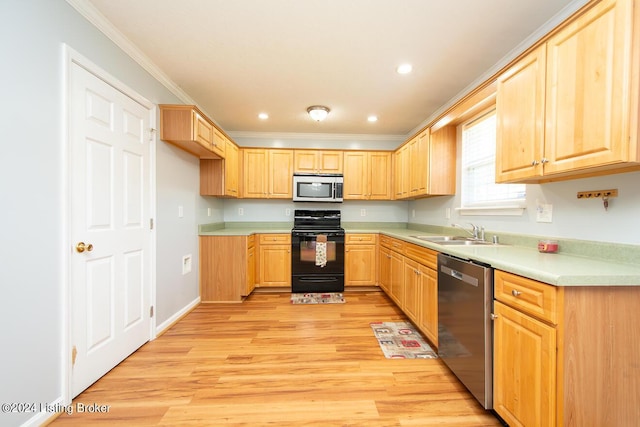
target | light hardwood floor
x=269, y=362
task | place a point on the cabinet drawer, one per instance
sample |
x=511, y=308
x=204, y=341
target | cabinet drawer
x=422, y=255
x=273, y=239
x=532, y=297
x=361, y=238
x=391, y=243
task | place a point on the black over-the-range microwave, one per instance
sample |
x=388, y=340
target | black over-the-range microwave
x=317, y=187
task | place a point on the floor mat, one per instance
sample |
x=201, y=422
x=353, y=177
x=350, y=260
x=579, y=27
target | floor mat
x=400, y=340
x=318, y=298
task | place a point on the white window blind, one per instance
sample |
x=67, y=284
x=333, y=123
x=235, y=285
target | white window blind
x=479, y=189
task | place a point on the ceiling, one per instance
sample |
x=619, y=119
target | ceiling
x=238, y=58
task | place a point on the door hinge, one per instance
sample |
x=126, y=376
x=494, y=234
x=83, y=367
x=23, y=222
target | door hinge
x=151, y=223
x=152, y=131
x=74, y=355
x=151, y=311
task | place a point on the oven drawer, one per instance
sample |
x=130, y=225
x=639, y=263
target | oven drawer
x=358, y=238
x=275, y=239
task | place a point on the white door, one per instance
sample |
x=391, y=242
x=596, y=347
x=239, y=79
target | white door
x=110, y=204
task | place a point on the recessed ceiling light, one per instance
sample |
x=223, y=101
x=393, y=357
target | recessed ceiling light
x=263, y=116
x=404, y=69
x=372, y=119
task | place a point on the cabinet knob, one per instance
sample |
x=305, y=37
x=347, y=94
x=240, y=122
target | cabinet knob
x=493, y=316
x=535, y=163
x=544, y=160
x=515, y=293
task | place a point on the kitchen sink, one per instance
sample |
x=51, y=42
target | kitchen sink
x=453, y=240
x=440, y=239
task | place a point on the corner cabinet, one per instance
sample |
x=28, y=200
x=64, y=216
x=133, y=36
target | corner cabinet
x=227, y=268
x=426, y=165
x=565, y=356
x=582, y=87
x=268, y=173
x=220, y=177
x=367, y=175
x=186, y=127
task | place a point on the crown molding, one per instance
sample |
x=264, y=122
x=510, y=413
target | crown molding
x=318, y=136
x=98, y=20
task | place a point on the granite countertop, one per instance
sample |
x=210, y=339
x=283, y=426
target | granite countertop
x=578, y=263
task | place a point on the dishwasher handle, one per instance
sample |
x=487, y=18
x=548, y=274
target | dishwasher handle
x=467, y=279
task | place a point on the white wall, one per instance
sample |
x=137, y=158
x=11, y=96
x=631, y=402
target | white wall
x=32, y=276
x=583, y=219
x=276, y=210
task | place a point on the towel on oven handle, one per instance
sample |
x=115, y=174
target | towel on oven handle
x=321, y=250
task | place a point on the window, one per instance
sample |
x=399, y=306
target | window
x=479, y=190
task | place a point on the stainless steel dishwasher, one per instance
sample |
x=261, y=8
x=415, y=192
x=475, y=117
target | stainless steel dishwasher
x=465, y=339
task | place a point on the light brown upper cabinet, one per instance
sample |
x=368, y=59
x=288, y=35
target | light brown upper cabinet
x=220, y=177
x=268, y=173
x=219, y=143
x=401, y=172
x=426, y=165
x=317, y=161
x=186, y=127
x=582, y=86
x=367, y=175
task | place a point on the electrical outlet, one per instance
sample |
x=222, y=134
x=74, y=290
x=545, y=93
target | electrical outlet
x=208, y=211
x=240, y=211
x=413, y=213
x=287, y=212
x=186, y=264
x=363, y=212
x=447, y=213
x=544, y=212
x=180, y=212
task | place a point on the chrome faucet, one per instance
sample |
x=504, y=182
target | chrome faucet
x=477, y=233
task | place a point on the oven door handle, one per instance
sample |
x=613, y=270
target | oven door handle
x=315, y=234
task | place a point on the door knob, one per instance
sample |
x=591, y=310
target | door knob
x=81, y=247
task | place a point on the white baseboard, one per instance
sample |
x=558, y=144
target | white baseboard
x=161, y=328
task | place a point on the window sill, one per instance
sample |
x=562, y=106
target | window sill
x=493, y=210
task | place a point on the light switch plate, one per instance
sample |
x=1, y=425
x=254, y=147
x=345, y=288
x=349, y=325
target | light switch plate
x=544, y=213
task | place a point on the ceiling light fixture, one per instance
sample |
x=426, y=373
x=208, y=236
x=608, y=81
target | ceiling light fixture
x=404, y=69
x=263, y=116
x=372, y=119
x=318, y=112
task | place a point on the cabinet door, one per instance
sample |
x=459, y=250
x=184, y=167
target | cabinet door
x=251, y=270
x=524, y=363
x=520, y=119
x=275, y=265
x=330, y=161
x=255, y=173
x=231, y=169
x=356, y=170
x=385, y=269
x=410, y=295
x=396, y=281
x=305, y=161
x=419, y=156
x=428, y=297
x=360, y=265
x=379, y=184
x=202, y=131
x=588, y=86
x=402, y=171
x=281, y=174
x=219, y=143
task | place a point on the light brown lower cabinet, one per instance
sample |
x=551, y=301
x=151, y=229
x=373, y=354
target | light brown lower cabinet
x=274, y=261
x=360, y=263
x=566, y=356
x=227, y=268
